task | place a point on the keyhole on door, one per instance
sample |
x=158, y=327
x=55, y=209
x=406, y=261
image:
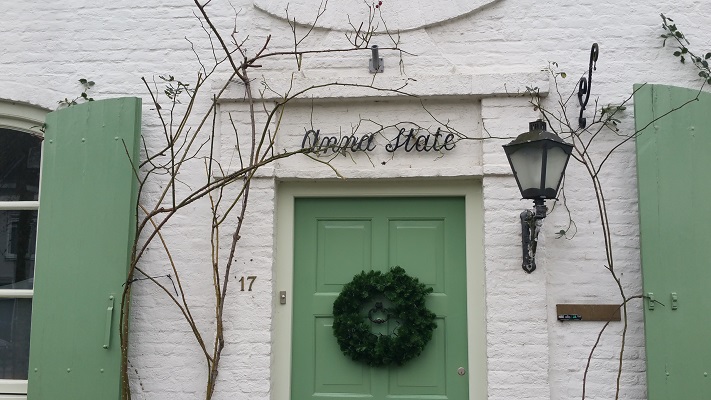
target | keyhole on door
x=461, y=371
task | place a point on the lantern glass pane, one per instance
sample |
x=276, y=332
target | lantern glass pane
x=526, y=162
x=556, y=161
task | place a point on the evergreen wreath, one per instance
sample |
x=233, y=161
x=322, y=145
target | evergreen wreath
x=407, y=295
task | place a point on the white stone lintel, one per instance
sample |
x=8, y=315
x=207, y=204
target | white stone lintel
x=331, y=85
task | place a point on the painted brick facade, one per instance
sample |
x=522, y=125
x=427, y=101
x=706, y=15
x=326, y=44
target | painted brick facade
x=469, y=67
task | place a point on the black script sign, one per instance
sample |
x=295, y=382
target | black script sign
x=322, y=144
x=411, y=141
x=404, y=140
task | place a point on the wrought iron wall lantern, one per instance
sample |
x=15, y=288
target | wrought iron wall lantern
x=538, y=159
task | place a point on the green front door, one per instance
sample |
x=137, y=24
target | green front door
x=336, y=238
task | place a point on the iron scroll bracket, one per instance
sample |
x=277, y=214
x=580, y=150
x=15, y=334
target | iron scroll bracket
x=585, y=85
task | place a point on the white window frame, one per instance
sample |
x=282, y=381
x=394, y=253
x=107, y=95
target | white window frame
x=13, y=223
x=21, y=117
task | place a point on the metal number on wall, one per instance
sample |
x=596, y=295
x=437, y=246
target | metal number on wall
x=251, y=280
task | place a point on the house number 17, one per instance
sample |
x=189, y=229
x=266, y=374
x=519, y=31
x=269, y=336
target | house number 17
x=250, y=280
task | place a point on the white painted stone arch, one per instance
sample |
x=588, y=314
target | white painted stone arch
x=400, y=15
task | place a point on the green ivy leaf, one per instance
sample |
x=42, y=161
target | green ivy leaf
x=677, y=53
x=563, y=75
x=707, y=56
x=82, y=81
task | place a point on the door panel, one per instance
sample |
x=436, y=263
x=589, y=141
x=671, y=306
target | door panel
x=335, y=239
x=425, y=375
x=349, y=377
x=420, y=245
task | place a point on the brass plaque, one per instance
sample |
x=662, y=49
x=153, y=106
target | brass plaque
x=588, y=312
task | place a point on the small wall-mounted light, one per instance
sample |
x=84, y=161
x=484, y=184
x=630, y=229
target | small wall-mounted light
x=376, y=63
x=538, y=159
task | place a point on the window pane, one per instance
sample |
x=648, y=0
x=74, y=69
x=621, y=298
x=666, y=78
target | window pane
x=527, y=163
x=18, y=230
x=14, y=338
x=19, y=166
x=556, y=164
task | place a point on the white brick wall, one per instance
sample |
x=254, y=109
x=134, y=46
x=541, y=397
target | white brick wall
x=46, y=46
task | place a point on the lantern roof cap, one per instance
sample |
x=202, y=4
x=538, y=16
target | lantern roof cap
x=537, y=132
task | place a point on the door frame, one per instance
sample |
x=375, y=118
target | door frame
x=288, y=191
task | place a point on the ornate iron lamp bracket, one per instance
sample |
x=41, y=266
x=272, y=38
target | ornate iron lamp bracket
x=584, y=85
x=531, y=223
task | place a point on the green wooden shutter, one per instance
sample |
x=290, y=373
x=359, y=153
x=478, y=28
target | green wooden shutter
x=85, y=230
x=674, y=162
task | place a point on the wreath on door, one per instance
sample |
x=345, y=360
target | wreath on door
x=415, y=323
